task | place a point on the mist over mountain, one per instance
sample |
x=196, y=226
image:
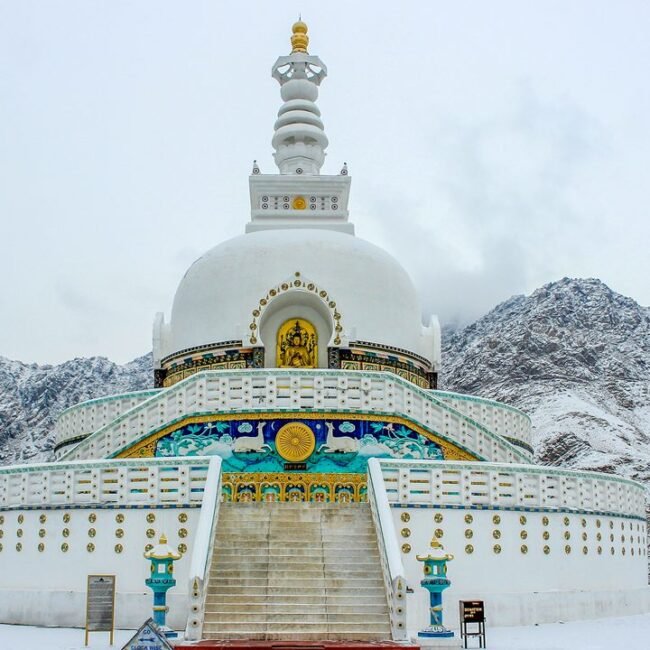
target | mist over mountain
x=574, y=355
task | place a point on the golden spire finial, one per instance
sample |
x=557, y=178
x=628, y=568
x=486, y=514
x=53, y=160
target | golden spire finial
x=299, y=39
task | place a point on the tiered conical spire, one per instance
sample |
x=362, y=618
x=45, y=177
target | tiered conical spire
x=299, y=140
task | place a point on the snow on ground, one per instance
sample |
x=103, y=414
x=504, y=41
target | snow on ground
x=625, y=633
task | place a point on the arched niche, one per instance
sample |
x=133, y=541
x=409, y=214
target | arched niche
x=295, y=304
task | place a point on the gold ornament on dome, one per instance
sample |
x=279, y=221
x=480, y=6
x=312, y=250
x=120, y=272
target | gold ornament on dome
x=299, y=39
x=299, y=203
x=297, y=344
x=295, y=442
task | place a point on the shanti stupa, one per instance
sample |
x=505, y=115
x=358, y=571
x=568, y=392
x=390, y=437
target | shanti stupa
x=296, y=450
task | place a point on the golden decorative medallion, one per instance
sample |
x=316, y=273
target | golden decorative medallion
x=469, y=533
x=567, y=549
x=405, y=516
x=41, y=547
x=92, y=517
x=151, y=533
x=469, y=519
x=523, y=534
x=524, y=549
x=545, y=521
x=119, y=548
x=437, y=518
x=496, y=520
x=497, y=548
x=65, y=547
x=545, y=534
x=522, y=520
x=406, y=532
x=19, y=547
x=182, y=517
x=547, y=550
x=151, y=518
x=406, y=548
x=90, y=547
x=438, y=532
x=41, y=532
x=66, y=518
x=91, y=532
x=295, y=442
x=21, y=518
x=182, y=548
x=42, y=519
x=119, y=518
x=182, y=532
x=299, y=203
x=469, y=549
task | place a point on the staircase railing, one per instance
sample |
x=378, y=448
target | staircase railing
x=202, y=552
x=391, y=559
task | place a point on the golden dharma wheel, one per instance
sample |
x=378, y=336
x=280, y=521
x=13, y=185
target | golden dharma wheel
x=295, y=442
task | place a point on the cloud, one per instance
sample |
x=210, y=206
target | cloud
x=499, y=216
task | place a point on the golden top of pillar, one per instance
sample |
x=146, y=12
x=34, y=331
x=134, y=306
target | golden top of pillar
x=299, y=39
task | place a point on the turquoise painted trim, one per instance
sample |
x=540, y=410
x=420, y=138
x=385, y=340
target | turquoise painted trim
x=104, y=506
x=553, y=511
x=483, y=400
x=285, y=373
x=519, y=443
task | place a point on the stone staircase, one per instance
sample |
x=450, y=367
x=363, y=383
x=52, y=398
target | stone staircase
x=296, y=571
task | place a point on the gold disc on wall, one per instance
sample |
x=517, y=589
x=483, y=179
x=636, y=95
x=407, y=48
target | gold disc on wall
x=295, y=442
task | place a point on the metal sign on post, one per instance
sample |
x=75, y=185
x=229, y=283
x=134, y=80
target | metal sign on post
x=472, y=611
x=148, y=637
x=100, y=605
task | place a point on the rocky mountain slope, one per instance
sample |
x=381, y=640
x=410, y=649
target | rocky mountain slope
x=31, y=397
x=574, y=355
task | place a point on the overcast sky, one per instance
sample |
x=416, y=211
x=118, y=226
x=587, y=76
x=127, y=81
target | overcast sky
x=493, y=147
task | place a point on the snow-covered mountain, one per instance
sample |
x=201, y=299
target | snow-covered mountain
x=574, y=355
x=32, y=396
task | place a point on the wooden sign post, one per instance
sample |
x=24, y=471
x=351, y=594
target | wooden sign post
x=100, y=605
x=472, y=611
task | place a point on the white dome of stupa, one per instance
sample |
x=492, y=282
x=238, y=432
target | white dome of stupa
x=373, y=294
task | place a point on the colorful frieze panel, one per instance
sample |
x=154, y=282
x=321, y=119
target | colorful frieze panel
x=289, y=486
x=320, y=444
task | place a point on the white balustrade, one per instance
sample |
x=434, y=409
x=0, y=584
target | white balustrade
x=389, y=553
x=152, y=482
x=293, y=390
x=82, y=419
x=202, y=551
x=456, y=484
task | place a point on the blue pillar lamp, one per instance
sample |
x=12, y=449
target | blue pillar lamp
x=162, y=557
x=435, y=581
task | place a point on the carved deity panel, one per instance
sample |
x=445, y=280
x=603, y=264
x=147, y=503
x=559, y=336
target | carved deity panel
x=297, y=344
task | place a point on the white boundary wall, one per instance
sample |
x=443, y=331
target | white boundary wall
x=536, y=544
x=121, y=506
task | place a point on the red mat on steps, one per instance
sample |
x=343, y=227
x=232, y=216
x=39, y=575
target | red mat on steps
x=242, y=644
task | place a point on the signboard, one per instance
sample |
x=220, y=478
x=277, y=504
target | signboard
x=100, y=604
x=472, y=611
x=148, y=637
